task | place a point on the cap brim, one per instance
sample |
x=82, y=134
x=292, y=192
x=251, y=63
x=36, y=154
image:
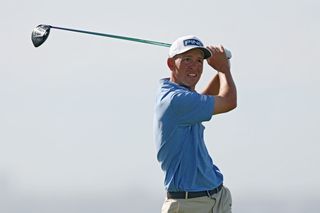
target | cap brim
x=206, y=52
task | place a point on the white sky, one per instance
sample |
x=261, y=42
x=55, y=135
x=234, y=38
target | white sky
x=76, y=113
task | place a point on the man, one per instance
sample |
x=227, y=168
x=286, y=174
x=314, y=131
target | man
x=193, y=183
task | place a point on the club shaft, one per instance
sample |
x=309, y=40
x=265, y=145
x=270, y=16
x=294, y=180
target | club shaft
x=115, y=36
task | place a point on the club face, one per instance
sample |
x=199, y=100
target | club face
x=40, y=34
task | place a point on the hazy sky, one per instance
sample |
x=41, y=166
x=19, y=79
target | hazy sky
x=76, y=113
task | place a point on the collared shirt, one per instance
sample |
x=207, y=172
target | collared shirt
x=178, y=129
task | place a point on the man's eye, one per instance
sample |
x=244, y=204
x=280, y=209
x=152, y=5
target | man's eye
x=187, y=59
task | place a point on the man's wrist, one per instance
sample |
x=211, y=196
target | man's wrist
x=224, y=69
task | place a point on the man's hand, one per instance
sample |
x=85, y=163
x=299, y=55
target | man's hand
x=218, y=60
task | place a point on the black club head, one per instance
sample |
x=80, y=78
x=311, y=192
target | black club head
x=40, y=34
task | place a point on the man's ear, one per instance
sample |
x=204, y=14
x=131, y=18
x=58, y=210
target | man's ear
x=171, y=63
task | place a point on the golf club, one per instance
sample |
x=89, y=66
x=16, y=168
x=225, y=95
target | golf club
x=40, y=34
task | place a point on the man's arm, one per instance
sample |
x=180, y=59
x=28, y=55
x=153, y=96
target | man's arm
x=213, y=87
x=222, y=86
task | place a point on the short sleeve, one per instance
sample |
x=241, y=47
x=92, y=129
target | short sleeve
x=191, y=107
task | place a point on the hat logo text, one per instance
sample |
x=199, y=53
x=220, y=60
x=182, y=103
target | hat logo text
x=192, y=42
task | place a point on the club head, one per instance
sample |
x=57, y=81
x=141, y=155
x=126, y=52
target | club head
x=40, y=34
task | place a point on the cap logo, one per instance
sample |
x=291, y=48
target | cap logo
x=192, y=42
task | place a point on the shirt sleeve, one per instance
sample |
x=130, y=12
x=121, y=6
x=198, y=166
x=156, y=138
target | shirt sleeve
x=191, y=107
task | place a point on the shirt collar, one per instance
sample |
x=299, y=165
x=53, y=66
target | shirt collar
x=167, y=81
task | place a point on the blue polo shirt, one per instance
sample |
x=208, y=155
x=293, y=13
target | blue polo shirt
x=178, y=129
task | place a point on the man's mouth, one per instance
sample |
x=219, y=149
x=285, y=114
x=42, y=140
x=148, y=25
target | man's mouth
x=192, y=75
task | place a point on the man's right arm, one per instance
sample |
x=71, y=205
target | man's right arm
x=226, y=99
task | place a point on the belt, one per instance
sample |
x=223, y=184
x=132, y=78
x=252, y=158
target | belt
x=186, y=195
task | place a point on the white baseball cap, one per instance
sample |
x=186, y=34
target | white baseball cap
x=186, y=43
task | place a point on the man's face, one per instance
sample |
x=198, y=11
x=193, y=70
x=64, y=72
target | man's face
x=186, y=68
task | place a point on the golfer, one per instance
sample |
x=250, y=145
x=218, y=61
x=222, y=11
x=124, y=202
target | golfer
x=193, y=182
